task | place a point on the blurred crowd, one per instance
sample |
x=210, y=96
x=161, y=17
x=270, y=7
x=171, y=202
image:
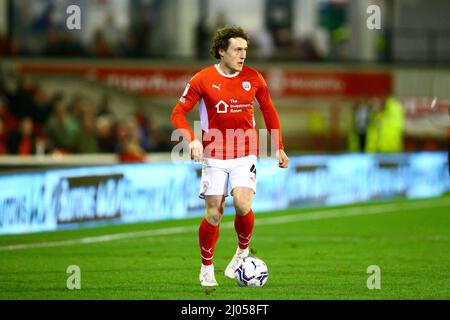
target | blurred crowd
x=274, y=41
x=44, y=35
x=46, y=38
x=34, y=122
x=136, y=42
x=377, y=125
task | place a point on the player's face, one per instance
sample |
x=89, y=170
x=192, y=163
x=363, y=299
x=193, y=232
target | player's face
x=233, y=58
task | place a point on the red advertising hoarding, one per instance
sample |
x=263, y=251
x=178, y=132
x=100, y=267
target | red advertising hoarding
x=170, y=82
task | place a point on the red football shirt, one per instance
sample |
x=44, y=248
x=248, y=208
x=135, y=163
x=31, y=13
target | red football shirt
x=226, y=105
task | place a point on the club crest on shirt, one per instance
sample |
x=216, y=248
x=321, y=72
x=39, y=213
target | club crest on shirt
x=246, y=85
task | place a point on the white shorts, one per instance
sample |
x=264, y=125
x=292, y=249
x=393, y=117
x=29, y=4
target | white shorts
x=240, y=172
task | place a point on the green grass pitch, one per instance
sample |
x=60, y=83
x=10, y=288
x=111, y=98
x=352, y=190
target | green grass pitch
x=320, y=253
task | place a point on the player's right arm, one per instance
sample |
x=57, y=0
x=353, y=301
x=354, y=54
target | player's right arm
x=187, y=102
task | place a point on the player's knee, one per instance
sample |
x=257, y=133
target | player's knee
x=242, y=205
x=242, y=202
x=214, y=216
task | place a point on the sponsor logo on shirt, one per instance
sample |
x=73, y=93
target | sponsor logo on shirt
x=234, y=106
x=222, y=107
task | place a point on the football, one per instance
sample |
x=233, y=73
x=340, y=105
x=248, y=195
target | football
x=253, y=272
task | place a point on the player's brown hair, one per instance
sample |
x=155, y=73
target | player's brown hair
x=222, y=39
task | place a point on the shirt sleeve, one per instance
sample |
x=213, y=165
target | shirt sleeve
x=269, y=112
x=187, y=102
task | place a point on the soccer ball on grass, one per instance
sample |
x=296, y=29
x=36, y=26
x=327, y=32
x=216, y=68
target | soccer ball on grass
x=253, y=272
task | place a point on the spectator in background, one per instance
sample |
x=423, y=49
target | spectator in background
x=3, y=139
x=129, y=149
x=106, y=137
x=76, y=107
x=163, y=142
x=9, y=121
x=22, y=141
x=386, y=124
x=283, y=40
x=220, y=21
x=306, y=49
x=43, y=109
x=85, y=141
x=112, y=33
x=46, y=105
x=393, y=125
x=44, y=21
x=3, y=130
x=140, y=35
x=52, y=46
x=136, y=130
x=104, y=108
x=145, y=131
x=63, y=43
x=359, y=123
x=100, y=46
x=8, y=89
x=264, y=44
x=4, y=46
x=374, y=125
x=202, y=35
x=61, y=129
x=22, y=102
x=317, y=130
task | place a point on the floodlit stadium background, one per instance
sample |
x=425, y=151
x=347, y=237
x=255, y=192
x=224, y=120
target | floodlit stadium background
x=100, y=192
x=120, y=75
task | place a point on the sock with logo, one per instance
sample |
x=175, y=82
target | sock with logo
x=208, y=235
x=244, y=227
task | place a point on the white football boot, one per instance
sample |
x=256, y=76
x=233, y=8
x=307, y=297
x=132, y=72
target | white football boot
x=207, y=277
x=235, y=262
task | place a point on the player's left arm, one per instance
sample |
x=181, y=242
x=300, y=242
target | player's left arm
x=272, y=121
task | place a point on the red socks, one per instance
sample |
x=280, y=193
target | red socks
x=244, y=228
x=208, y=235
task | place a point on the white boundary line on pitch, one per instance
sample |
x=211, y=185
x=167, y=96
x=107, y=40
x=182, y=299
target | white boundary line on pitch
x=315, y=215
